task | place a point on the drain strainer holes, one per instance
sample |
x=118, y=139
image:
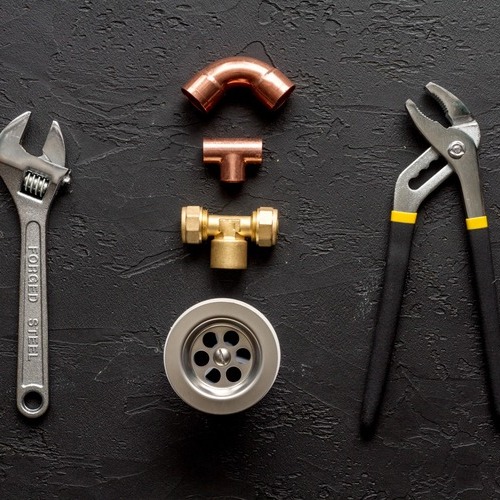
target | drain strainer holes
x=233, y=374
x=243, y=356
x=210, y=339
x=221, y=356
x=213, y=375
x=201, y=358
x=231, y=338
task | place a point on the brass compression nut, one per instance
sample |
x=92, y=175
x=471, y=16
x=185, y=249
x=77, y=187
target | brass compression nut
x=229, y=233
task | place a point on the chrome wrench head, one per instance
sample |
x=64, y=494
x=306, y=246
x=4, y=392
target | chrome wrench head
x=33, y=182
x=16, y=163
x=463, y=125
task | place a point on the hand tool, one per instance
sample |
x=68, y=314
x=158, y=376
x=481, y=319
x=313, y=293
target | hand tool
x=33, y=182
x=229, y=245
x=458, y=145
x=222, y=356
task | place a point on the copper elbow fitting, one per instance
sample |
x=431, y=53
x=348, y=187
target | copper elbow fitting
x=269, y=84
x=233, y=155
x=229, y=232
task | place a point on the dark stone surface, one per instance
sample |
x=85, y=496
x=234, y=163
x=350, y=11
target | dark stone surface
x=110, y=72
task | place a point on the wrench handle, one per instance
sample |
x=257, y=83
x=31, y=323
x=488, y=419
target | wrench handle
x=488, y=307
x=32, y=368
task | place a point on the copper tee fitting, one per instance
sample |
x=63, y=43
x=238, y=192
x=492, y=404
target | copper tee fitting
x=269, y=84
x=229, y=232
x=233, y=155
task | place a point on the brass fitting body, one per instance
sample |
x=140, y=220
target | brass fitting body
x=269, y=84
x=233, y=155
x=229, y=232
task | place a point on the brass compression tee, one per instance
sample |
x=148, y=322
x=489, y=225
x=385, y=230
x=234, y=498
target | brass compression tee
x=269, y=84
x=229, y=232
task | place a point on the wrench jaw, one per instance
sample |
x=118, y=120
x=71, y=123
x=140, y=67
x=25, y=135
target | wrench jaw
x=32, y=180
x=54, y=150
x=12, y=135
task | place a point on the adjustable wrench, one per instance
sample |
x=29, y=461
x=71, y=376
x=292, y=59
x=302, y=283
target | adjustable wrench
x=33, y=182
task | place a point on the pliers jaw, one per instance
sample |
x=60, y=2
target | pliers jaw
x=454, y=144
x=455, y=110
x=457, y=144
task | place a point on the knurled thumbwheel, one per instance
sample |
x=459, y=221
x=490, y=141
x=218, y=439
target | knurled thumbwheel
x=222, y=356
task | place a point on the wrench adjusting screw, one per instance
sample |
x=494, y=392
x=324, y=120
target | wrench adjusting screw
x=33, y=182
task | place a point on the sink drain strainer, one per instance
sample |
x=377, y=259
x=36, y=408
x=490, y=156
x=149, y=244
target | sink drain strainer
x=222, y=356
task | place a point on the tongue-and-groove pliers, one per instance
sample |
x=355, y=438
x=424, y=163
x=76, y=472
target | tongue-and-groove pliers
x=458, y=145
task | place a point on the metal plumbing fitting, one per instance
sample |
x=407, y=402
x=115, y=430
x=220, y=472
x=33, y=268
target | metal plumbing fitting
x=269, y=84
x=229, y=232
x=222, y=356
x=233, y=155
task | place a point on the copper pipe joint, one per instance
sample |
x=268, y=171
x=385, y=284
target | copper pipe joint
x=269, y=84
x=233, y=155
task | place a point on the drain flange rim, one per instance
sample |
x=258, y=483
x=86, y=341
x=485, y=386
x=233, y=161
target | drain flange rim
x=235, y=401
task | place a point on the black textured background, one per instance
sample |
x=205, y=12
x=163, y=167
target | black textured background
x=110, y=73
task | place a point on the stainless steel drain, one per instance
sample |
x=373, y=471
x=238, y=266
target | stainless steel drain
x=222, y=356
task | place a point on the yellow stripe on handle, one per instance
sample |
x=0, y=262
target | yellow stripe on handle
x=404, y=217
x=477, y=222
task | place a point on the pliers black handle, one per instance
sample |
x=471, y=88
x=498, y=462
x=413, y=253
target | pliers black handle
x=480, y=245
x=458, y=145
x=398, y=257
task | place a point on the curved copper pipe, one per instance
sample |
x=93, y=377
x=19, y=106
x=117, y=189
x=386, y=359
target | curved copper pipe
x=269, y=84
